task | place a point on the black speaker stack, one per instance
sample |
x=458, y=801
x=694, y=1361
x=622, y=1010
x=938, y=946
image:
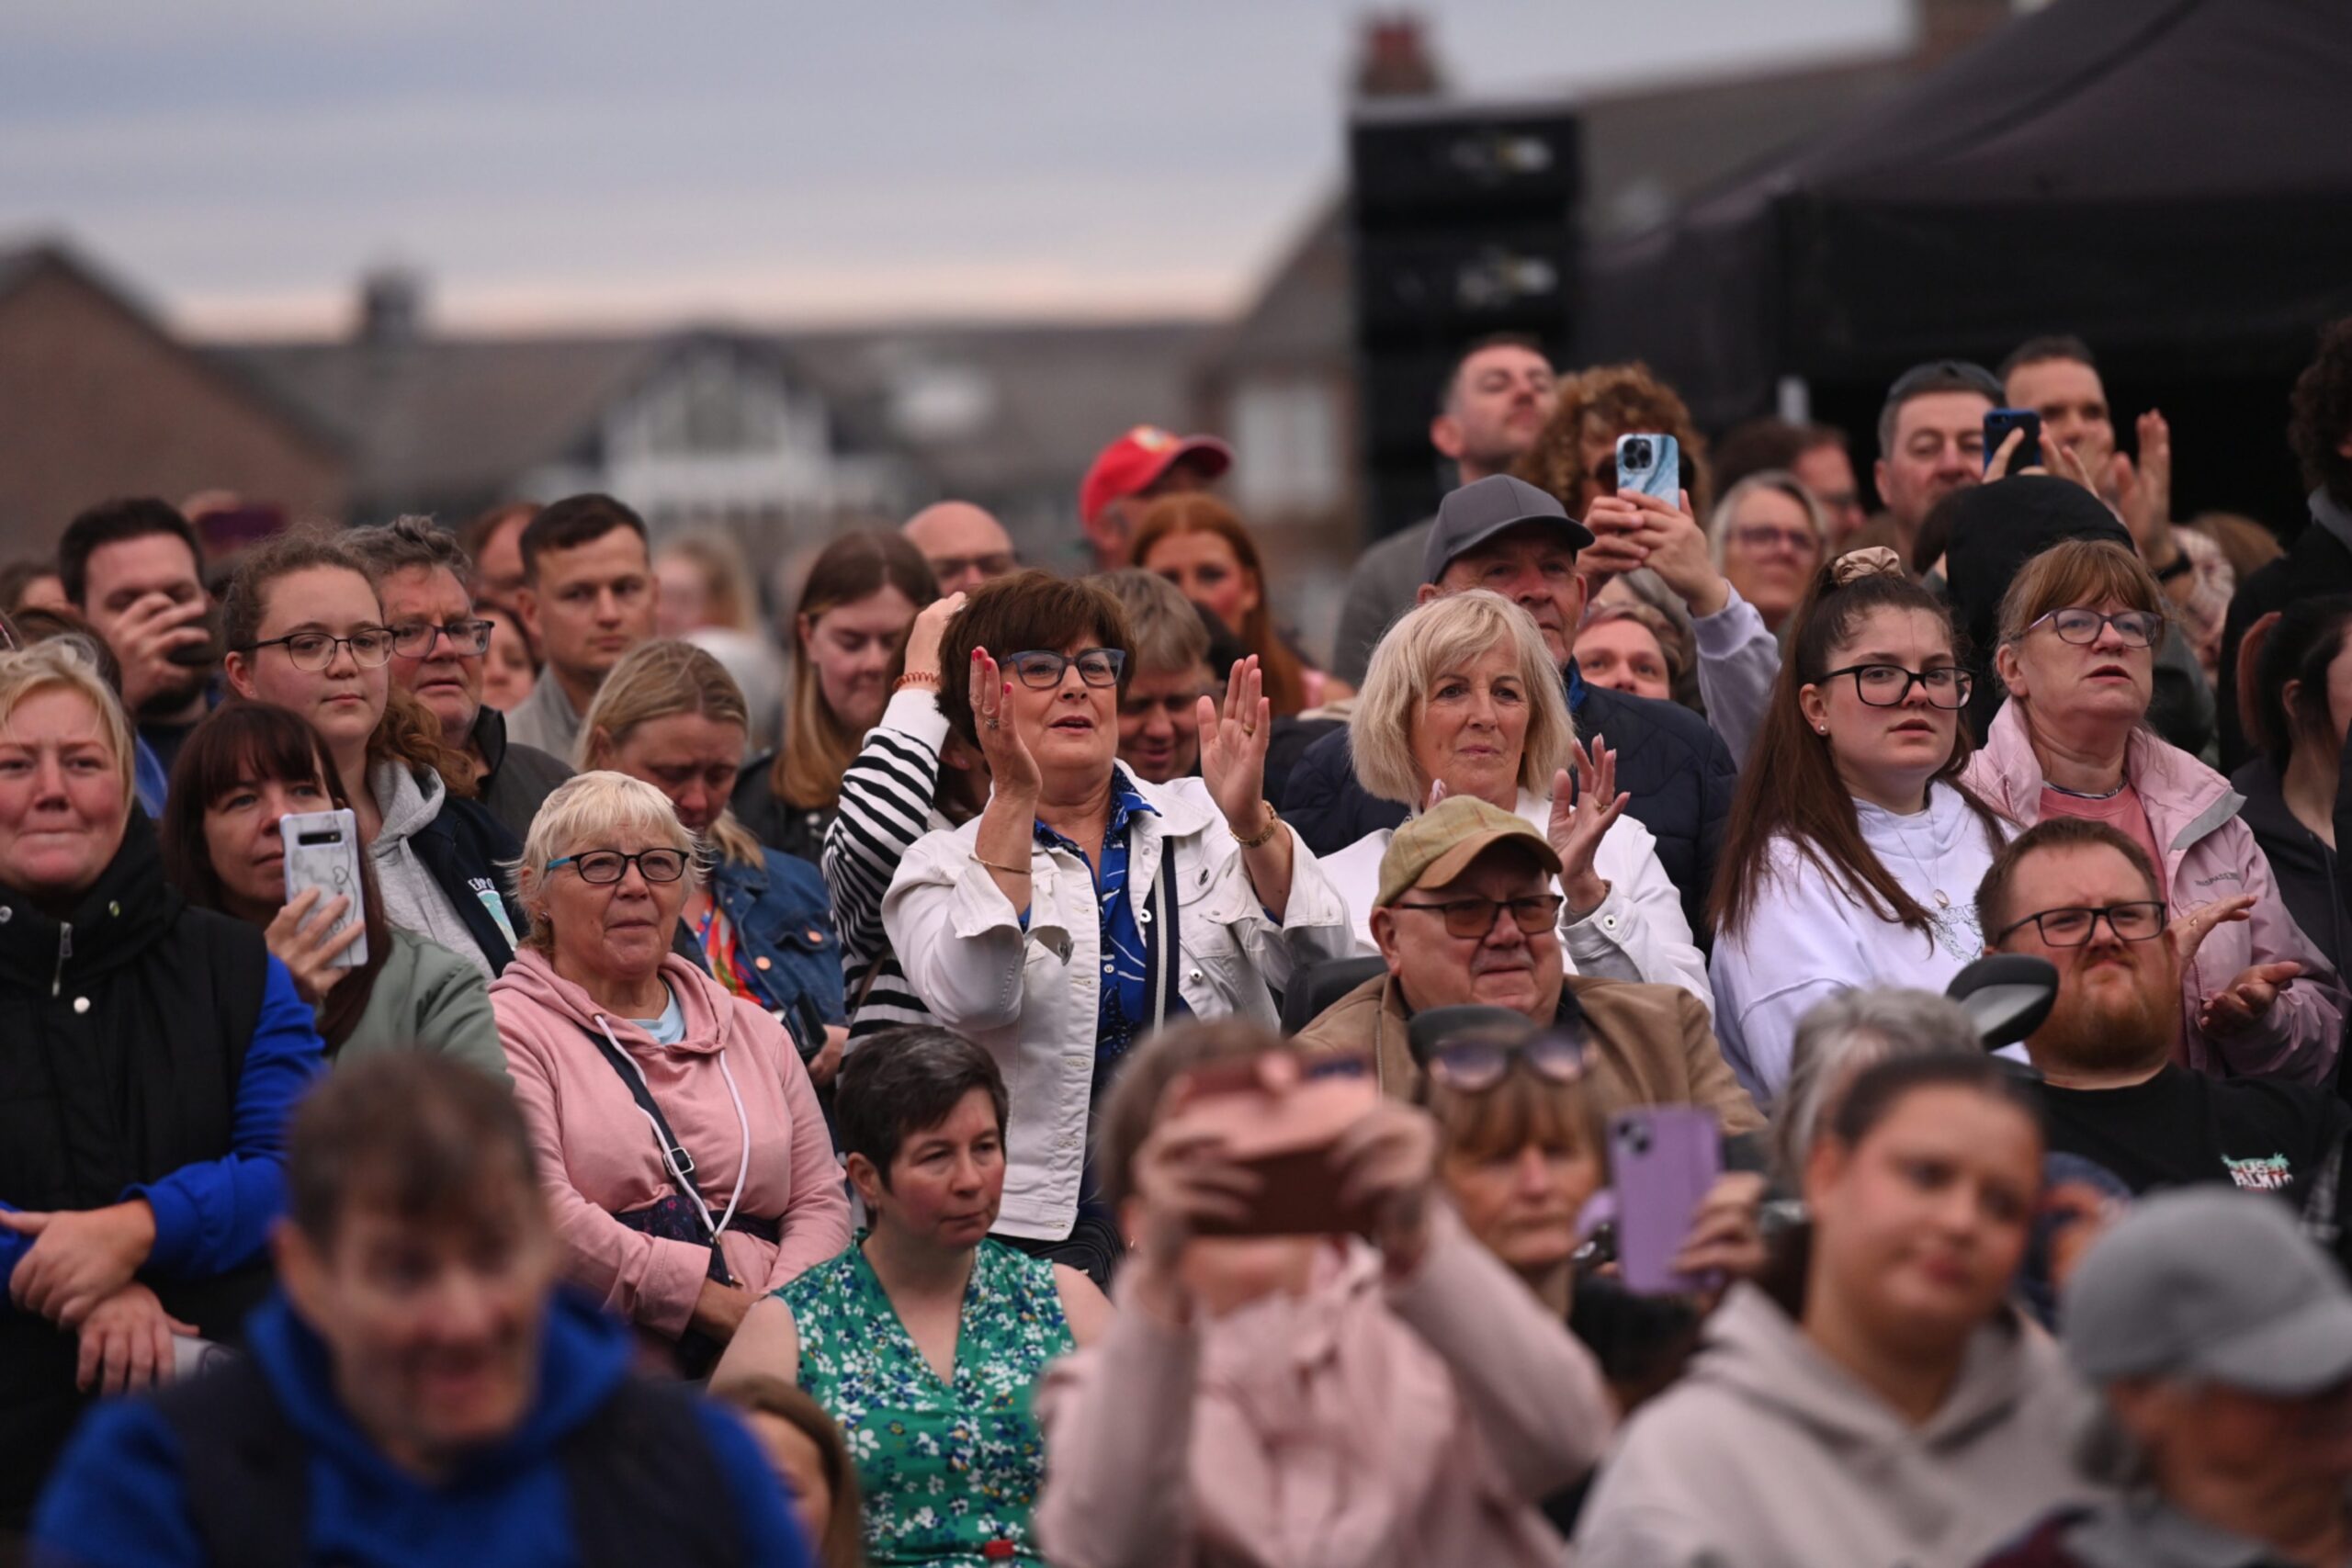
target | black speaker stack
x=1462, y=222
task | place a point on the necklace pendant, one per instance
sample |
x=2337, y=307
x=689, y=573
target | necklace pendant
x=1943, y=899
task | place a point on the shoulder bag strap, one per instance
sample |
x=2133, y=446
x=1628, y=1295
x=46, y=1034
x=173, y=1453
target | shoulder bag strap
x=680, y=1160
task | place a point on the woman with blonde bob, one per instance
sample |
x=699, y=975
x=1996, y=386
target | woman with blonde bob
x=676, y=1131
x=1462, y=698
x=2079, y=628
x=671, y=715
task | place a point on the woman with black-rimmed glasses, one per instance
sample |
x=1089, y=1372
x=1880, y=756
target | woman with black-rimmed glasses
x=2079, y=627
x=1854, y=848
x=305, y=630
x=678, y=1136
x=1083, y=908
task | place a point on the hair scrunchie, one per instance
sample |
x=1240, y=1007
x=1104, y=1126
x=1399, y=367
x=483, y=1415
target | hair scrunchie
x=1875, y=561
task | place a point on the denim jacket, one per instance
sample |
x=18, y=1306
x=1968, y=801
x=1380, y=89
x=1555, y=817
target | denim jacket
x=784, y=931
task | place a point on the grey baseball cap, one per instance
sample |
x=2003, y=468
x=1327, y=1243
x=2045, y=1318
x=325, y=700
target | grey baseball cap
x=1468, y=517
x=2210, y=1283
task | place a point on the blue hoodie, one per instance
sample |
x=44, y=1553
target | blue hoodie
x=117, y=1498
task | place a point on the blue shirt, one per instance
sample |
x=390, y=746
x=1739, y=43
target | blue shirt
x=1124, y=1009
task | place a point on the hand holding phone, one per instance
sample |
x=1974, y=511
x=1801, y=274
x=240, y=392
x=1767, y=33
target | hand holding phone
x=322, y=852
x=1999, y=424
x=1650, y=465
x=1663, y=1160
x=1281, y=1117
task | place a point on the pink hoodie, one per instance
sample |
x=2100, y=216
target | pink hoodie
x=598, y=1157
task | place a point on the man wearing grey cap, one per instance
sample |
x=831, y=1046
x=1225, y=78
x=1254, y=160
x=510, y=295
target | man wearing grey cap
x=1505, y=534
x=2222, y=1341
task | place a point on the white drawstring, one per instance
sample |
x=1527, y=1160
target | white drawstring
x=742, y=1121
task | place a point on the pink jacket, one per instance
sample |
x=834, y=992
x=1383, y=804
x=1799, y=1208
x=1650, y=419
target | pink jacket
x=2209, y=854
x=598, y=1155
x=1359, y=1426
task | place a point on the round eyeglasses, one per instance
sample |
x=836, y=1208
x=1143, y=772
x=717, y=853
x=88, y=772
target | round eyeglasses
x=1040, y=670
x=2139, y=920
x=2133, y=629
x=371, y=648
x=602, y=868
x=415, y=639
x=1889, y=685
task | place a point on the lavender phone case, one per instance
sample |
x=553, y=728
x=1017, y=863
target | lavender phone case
x=1662, y=1159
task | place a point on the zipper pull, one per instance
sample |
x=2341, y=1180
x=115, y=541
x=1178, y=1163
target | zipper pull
x=65, y=951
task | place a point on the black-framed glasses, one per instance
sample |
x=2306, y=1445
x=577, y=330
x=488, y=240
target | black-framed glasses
x=1474, y=1065
x=2141, y=920
x=1041, y=669
x=1889, y=685
x=1475, y=917
x=415, y=639
x=602, y=868
x=2133, y=629
x=371, y=648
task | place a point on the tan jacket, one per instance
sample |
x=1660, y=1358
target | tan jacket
x=1650, y=1045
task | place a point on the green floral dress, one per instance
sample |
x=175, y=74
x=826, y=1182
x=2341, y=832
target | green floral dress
x=949, y=1468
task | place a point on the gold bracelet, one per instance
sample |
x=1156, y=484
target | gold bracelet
x=915, y=678
x=1273, y=824
x=1021, y=870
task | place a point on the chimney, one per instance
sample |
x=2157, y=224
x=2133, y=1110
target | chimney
x=1394, y=60
x=391, y=306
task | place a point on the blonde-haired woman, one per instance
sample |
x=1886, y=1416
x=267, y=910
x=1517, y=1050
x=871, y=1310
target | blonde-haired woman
x=678, y=1136
x=1463, y=698
x=151, y=1053
x=671, y=715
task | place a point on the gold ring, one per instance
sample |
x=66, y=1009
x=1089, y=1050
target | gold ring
x=1249, y=729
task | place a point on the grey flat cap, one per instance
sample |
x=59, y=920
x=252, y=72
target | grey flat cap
x=2214, y=1284
x=1468, y=517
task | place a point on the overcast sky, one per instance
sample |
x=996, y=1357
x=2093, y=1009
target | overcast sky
x=595, y=161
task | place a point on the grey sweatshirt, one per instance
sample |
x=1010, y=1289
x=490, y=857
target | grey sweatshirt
x=410, y=799
x=1769, y=1455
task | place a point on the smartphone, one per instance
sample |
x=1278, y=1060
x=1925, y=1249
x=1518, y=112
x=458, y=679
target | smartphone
x=1662, y=1161
x=1285, y=1134
x=1650, y=465
x=323, y=852
x=1997, y=426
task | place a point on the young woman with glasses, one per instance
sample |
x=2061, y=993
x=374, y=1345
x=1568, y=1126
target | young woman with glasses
x=305, y=631
x=1084, y=906
x=2078, y=631
x=678, y=1135
x=1854, y=850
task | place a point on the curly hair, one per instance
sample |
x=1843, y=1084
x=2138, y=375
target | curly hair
x=1619, y=400
x=2322, y=405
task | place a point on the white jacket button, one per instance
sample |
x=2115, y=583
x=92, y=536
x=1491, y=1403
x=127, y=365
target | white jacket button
x=81, y=1004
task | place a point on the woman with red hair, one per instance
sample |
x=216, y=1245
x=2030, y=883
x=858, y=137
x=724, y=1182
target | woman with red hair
x=1198, y=544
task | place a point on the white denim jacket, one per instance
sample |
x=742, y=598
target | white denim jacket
x=1030, y=997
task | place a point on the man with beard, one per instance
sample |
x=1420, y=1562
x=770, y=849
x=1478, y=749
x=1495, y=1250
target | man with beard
x=2081, y=895
x=1489, y=412
x=135, y=571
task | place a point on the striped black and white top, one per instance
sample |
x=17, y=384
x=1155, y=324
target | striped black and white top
x=886, y=802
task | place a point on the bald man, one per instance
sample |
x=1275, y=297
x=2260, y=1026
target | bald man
x=964, y=546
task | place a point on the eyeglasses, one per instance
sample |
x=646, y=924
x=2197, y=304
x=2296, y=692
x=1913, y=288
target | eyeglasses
x=1889, y=685
x=415, y=639
x=601, y=868
x=1758, y=537
x=370, y=648
x=1474, y=1066
x=1475, y=917
x=2139, y=920
x=2133, y=629
x=1041, y=670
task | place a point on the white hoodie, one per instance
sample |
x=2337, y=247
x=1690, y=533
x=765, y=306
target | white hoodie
x=412, y=900
x=1808, y=937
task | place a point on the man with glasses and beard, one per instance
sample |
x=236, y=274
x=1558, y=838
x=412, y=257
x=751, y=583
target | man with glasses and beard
x=2081, y=895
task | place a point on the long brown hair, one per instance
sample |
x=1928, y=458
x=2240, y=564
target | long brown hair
x=818, y=745
x=1172, y=515
x=244, y=740
x=1789, y=786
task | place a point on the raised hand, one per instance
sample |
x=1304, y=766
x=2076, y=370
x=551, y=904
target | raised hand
x=1012, y=769
x=144, y=640
x=1386, y=1166
x=2143, y=495
x=928, y=632
x=2190, y=932
x=308, y=946
x=1234, y=737
x=1576, y=829
x=1672, y=545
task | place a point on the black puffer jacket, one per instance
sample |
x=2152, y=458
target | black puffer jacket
x=147, y=1049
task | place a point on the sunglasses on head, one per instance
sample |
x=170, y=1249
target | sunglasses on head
x=1473, y=1066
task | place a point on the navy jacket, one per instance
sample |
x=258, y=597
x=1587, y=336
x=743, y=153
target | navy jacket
x=1678, y=769
x=784, y=931
x=120, y=1498
x=466, y=849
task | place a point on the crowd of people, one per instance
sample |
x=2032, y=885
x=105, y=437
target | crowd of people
x=510, y=1054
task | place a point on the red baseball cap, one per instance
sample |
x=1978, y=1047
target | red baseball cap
x=1135, y=460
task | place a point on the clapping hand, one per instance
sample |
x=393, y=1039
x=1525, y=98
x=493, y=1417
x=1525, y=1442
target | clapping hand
x=1233, y=739
x=1576, y=830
